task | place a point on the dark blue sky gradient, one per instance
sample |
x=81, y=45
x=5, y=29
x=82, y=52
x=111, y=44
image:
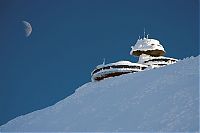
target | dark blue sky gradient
x=71, y=37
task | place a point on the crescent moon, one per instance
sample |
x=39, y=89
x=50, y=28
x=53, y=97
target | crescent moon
x=27, y=28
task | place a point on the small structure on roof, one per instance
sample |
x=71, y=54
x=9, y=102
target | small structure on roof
x=150, y=53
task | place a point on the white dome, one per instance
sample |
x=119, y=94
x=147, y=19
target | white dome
x=146, y=44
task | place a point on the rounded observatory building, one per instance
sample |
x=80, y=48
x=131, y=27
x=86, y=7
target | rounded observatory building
x=115, y=69
x=150, y=53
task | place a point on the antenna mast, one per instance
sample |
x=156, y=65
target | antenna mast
x=144, y=32
x=104, y=61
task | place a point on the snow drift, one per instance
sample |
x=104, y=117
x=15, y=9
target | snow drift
x=164, y=99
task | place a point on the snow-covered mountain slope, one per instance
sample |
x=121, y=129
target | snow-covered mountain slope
x=164, y=99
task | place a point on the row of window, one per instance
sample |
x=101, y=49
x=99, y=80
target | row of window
x=161, y=60
x=112, y=75
x=118, y=66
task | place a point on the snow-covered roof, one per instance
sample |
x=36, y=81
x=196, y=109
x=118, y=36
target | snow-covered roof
x=123, y=63
x=120, y=63
x=146, y=44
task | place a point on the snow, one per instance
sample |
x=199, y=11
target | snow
x=164, y=99
x=124, y=63
x=120, y=63
x=147, y=44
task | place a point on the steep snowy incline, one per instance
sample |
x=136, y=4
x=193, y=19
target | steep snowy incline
x=164, y=99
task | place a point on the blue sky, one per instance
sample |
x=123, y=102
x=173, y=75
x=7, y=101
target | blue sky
x=71, y=37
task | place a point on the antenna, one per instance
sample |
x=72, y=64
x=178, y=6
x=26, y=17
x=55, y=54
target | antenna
x=104, y=61
x=144, y=32
x=147, y=36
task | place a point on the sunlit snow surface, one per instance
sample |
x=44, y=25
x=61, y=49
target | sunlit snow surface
x=164, y=99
